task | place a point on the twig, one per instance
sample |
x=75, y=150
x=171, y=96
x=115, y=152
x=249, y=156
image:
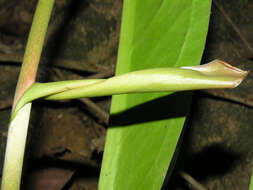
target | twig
x=80, y=65
x=96, y=110
x=194, y=183
x=228, y=96
x=62, y=63
x=236, y=29
x=108, y=73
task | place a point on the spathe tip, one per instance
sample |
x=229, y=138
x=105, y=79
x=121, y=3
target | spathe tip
x=221, y=68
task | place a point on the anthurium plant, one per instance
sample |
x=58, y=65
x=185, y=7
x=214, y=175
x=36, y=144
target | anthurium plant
x=153, y=58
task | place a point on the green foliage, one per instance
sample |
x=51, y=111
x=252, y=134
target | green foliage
x=154, y=33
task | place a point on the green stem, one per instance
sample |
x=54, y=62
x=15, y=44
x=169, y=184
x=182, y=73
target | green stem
x=34, y=47
x=18, y=127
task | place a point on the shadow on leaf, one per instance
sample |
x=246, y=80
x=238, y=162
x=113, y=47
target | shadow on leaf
x=171, y=106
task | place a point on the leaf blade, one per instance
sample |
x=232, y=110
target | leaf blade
x=130, y=150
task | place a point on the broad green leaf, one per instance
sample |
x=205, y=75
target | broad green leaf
x=154, y=33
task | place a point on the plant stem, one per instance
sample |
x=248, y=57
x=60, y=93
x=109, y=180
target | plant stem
x=17, y=133
x=14, y=154
x=34, y=47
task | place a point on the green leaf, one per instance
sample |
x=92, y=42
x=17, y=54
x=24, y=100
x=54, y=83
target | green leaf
x=154, y=33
